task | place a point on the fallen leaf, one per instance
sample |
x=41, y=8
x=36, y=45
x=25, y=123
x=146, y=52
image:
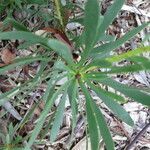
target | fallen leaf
x=10, y=108
x=4, y=27
x=2, y=64
x=7, y=56
x=82, y=144
x=59, y=35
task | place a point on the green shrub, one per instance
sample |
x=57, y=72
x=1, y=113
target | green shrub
x=84, y=75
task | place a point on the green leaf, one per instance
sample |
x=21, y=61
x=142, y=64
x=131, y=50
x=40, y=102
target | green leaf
x=107, y=38
x=50, y=87
x=40, y=2
x=140, y=96
x=127, y=69
x=100, y=63
x=109, y=16
x=95, y=75
x=103, y=50
x=142, y=61
x=72, y=93
x=91, y=23
x=58, y=118
x=114, y=106
x=44, y=113
x=22, y=35
x=100, y=37
x=27, y=116
x=56, y=45
x=79, y=20
x=60, y=65
x=114, y=96
x=2, y=8
x=105, y=133
x=18, y=3
x=60, y=13
x=95, y=118
x=128, y=54
x=15, y=24
x=91, y=119
x=22, y=61
x=62, y=49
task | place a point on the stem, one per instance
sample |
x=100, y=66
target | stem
x=59, y=13
x=137, y=136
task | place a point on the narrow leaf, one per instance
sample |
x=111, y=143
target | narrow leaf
x=129, y=54
x=21, y=35
x=91, y=118
x=103, y=50
x=16, y=24
x=140, y=96
x=127, y=69
x=73, y=97
x=72, y=93
x=44, y=113
x=100, y=63
x=91, y=23
x=114, y=106
x=142, y=61
x=95, y=75
x=58, y=118
x=105, y=133
x=62, y=49
x=110, y=15
x=57, y=46
x=22, y=61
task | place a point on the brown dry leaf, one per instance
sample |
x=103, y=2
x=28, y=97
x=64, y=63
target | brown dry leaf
x=3, y=129
x=7, y=56
x=5, y=27
x=59, y=35
x=39, y=109
x=2, y=64
x=1, y=24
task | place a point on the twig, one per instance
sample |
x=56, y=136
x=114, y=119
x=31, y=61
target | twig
x=137, y=136
x=135, y=10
